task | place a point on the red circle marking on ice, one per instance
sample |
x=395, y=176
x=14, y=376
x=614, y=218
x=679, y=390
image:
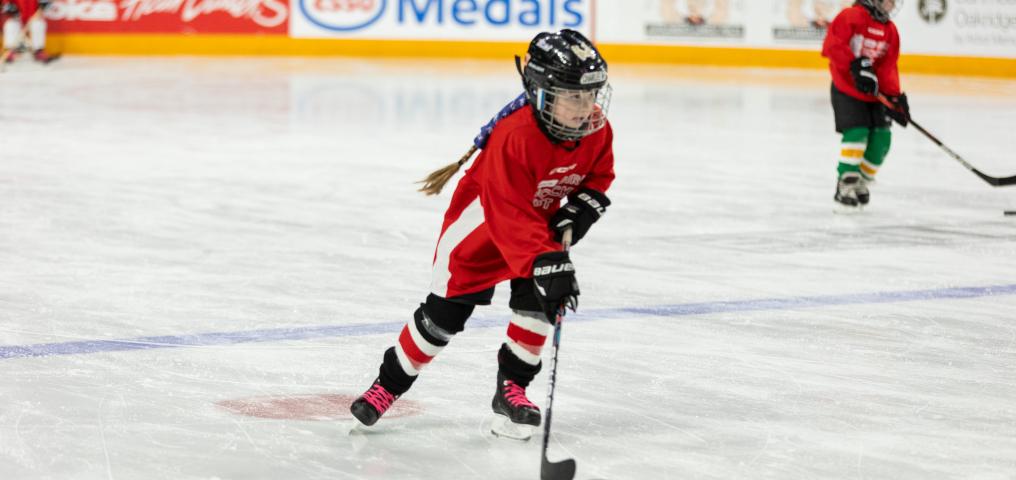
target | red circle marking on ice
x=309, y=407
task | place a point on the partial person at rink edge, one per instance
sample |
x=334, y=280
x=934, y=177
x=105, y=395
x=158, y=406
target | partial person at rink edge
x=505, y=223
x=863, y=47
x=24, y=17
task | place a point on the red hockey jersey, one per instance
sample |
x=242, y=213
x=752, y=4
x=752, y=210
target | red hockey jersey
x=26, y=8
x=854, y=33
x=497, y=221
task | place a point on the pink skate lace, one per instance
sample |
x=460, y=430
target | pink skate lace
x=379, y=398
x=516, y=395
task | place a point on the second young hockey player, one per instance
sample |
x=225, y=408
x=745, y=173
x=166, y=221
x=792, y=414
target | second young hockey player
x=863, y=47
x=505, y=221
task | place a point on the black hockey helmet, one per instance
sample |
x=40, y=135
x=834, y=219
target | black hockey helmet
x=565, y=79
x=881, y=10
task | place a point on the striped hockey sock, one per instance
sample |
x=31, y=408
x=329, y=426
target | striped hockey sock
x=879, y=141
x=852, y=147
x=526, y=335
x=420, y=341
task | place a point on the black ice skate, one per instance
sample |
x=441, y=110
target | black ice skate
x=515, y=416
x=847, y=190
x=372, y=404
x=863, y=195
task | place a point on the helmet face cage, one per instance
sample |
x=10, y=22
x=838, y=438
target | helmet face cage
x=566, y=82
x=879, y=11
x=570, y=114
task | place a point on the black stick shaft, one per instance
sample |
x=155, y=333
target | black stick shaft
x=994, y=181
x=564, y=470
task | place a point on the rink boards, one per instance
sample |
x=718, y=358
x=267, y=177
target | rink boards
x=971, y=38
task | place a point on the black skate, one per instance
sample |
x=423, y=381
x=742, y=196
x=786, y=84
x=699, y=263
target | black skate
x=847, y=190
x=515, y=416
x=863, y=195
x=372, y=404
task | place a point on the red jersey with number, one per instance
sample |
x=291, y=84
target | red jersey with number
x=498, y=219
x=855, y=33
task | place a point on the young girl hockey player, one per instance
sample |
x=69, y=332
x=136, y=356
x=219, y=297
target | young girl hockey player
x=863, y=46
x=504, y=223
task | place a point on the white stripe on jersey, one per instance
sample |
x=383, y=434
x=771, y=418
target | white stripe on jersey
x=468, y=221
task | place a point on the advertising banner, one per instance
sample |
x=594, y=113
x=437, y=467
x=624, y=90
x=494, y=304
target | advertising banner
x=803, y=21
x=969, y=28
x=972, y=28
x=711, y=21
x=473, y=20
x=169, y=16
x=961, y=28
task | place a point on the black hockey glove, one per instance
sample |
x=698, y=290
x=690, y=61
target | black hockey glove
x=555, y=283
x=583, y=209
x=900, y=111
x=864, y=77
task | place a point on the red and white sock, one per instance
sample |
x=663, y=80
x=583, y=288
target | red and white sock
x=527, y=333
x=420, y=341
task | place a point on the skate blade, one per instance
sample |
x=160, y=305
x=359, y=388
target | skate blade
x=351, y=427
x=841, y=209
x=505, y=428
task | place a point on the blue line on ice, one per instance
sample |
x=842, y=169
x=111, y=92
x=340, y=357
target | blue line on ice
x=322, y=331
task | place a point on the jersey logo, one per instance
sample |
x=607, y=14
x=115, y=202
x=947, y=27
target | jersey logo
x=876, y=31
x=868, y=47
x=564, y=169
x=547, y=184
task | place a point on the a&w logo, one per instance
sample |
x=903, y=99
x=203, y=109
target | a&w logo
x=264, y=13
x=343, y=15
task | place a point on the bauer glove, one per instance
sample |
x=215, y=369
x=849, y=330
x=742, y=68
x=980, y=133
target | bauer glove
x=583, y=209
x=864, y=77
x=900, y=111
x=555, y=283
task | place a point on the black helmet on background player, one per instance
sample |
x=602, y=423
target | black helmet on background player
x=566, y=83
x=881, y=10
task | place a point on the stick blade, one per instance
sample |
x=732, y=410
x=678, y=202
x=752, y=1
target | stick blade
x=1007, y=181
x=563, y=470
x=995, y=181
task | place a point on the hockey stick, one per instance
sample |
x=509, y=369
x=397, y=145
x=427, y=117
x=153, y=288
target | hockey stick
x=994, y=181
x=565, y=469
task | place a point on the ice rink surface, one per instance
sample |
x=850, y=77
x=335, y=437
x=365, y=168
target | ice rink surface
x=202, y=260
